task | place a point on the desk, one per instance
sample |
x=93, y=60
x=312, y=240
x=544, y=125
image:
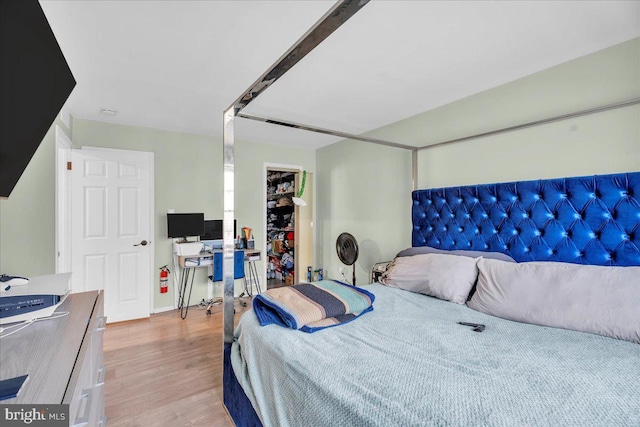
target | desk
x=213, y=260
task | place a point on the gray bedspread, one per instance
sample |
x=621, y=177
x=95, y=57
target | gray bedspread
x=408, y=363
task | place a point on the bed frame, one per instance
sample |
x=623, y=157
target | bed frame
x=585, y=220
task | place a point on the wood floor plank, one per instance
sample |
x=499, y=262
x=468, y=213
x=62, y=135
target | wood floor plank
x=164, y=371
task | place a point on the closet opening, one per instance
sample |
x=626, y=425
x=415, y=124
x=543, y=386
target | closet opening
x=288, y=226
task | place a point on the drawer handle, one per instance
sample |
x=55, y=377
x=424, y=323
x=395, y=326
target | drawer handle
x=101, y=324
x=86, y=397
x=101, y=374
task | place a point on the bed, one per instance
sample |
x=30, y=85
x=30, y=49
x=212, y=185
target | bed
x=409, y=361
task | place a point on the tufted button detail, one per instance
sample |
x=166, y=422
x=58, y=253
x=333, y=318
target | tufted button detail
x=556, y=222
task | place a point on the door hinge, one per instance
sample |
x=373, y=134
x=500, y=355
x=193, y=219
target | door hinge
x=69, y=166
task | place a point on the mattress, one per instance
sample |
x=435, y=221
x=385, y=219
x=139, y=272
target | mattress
x=409, y=362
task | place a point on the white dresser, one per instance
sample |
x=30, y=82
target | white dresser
x=63, y=358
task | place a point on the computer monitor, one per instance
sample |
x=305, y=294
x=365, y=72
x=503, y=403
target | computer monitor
x=213, y=232
x=183, y=225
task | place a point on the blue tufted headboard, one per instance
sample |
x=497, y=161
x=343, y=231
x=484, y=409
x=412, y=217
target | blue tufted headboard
x=583, y=220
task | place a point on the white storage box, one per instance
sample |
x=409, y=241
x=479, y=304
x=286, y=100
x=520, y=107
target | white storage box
x=189, y=248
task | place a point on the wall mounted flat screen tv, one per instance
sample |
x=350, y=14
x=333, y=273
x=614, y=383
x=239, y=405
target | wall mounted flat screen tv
x=182, y=225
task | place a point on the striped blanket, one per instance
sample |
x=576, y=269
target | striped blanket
x=310, y=307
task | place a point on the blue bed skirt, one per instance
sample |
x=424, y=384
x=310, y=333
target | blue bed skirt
x=235, y=399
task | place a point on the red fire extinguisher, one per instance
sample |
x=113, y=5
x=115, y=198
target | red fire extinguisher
x=164, y=279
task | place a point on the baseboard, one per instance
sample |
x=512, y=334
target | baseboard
x=163, y=309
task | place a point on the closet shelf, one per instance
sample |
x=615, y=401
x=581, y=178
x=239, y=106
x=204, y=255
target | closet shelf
x=276, y=196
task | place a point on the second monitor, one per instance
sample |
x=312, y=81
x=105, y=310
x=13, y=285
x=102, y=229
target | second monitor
x=213, y=232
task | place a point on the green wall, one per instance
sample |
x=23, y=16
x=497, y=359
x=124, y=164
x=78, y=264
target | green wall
x=27, y=217
x=602, y=143
x=365, y=190
x=188, y=178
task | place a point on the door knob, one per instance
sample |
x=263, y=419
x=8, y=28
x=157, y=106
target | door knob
x=143, y=243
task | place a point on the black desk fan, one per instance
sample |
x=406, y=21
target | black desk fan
x=347, y=248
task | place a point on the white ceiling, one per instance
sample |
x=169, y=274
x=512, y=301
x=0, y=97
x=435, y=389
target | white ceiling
x=176, y=65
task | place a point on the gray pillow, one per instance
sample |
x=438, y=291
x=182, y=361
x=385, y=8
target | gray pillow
x=473, y=254
x=586, y=298
x=447, y=277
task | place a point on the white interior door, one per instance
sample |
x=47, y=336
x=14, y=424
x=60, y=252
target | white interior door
x=112, y=229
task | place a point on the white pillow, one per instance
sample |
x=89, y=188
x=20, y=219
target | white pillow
x=586, y=298
x=448, y=277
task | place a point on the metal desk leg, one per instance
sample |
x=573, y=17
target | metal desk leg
x=253, y=276
x=184, y=309
x=182, y=288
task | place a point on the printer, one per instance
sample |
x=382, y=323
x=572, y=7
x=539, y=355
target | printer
x=38, y=298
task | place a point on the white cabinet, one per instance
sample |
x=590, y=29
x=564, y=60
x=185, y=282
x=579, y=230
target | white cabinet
x=85, y=393
x=63, y=358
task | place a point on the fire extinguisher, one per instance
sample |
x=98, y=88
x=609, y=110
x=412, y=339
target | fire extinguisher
x=164, y=279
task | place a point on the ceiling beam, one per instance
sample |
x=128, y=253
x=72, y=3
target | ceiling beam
x=323, y=28
x=325, y=131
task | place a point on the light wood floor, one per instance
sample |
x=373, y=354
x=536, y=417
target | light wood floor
x=165, y=371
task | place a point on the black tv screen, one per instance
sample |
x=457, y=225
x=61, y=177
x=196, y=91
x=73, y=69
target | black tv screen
x=185, y=225
x=213, y=229
x=35, y=82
